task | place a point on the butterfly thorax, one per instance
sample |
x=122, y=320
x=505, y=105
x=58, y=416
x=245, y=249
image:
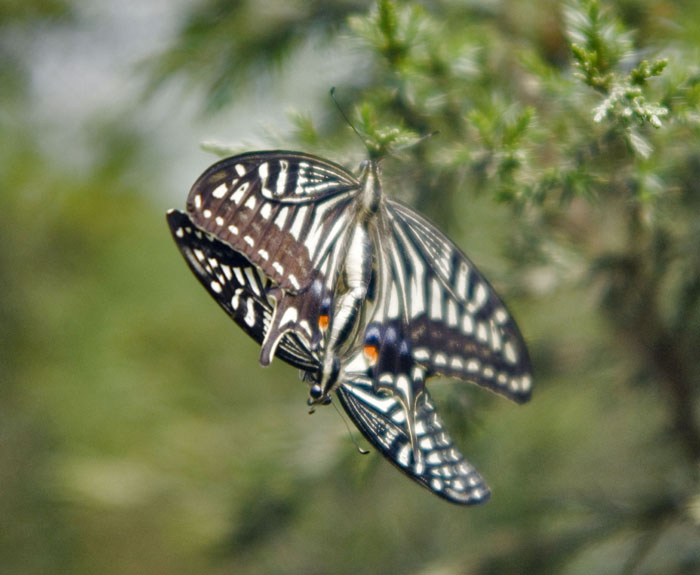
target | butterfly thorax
x=371, y=189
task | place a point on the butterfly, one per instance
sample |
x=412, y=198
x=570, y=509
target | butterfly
x=361, y=293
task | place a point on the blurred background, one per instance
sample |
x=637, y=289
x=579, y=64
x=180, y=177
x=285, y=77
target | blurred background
x=138, y=433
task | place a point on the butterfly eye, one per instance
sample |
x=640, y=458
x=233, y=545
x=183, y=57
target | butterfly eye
x=316, y=395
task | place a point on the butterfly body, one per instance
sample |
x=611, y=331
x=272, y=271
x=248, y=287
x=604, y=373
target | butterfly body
x=361, y=293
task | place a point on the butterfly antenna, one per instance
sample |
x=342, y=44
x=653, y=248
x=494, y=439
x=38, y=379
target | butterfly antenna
x=362, y=450
x=345, y=117
x=418, y=140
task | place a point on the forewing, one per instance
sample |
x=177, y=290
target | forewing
x=282, y=210
x=456, y=323
x=438, y=466
x=236, y=285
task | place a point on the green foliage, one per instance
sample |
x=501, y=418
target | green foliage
x=32, y=11
x=138, y=434
x=223, y=45
x=598, y=43
x=599, y=46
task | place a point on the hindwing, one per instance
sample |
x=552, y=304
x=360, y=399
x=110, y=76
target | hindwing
x=389, y=403
x=436, y=464
x=236, y=285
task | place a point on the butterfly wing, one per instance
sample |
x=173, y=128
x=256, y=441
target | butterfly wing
x=456, y=323
x=425, y=453
x=287, y=213
x=275, y=207
x=435, y=313
x=236, y=285
x=384, y=393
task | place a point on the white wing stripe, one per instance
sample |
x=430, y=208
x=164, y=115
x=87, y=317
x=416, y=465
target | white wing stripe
x=298, y=223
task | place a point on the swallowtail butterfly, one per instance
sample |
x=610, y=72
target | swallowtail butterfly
x=358, y=291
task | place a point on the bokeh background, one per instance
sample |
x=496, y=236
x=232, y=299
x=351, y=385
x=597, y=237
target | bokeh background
x=138, y=433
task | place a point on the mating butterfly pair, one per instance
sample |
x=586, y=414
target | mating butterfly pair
x=361, y=293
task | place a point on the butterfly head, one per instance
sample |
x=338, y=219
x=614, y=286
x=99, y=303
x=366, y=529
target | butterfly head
x=323, y=383
x=316, y=395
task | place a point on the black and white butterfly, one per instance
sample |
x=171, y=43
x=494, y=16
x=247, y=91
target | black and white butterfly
x=361, y=293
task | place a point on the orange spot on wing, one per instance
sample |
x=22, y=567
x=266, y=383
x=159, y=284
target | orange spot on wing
x=372, y=353
x=323, y=322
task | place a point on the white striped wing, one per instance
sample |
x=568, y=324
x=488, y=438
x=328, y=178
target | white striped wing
x=284, y=210
x=288, y=213
x=456, y=323
x=236, y=285
x=430, y=458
